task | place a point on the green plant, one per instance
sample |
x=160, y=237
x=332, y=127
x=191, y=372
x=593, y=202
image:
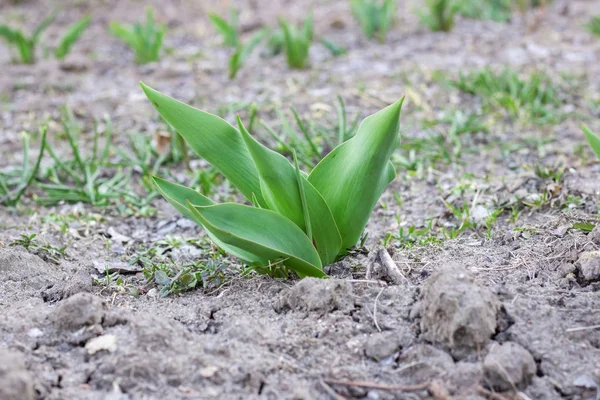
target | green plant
x=375, y=17
x=594, y=25
x=593, y=140
x=13, y=183
x=299, y=221
x=440, y=14
x=314, y=141
x=297, y=42
x=71, y=36
x=90, y=178
x=536, y=96
x=26, y=45
x=145, y=40
x=243, y=51
x=229, y=30
x=495, y=10
x=334, y=49
x=44, y=250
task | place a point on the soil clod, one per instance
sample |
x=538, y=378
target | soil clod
x=589, y=265
x=318, y=295
x=78, y=311
x=508, y=366
x=457, y=312
x=15, y=381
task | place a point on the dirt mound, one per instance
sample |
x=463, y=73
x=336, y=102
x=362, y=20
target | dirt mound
x=24, y=274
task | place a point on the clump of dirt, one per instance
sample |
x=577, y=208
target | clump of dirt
x=15, y=380
x=79, y=311
x=508, y=366
x=589, y=266
x=458, y=313
x=318, y=295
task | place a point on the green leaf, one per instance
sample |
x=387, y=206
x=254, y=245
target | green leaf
x=243, y=51
x=213, y=139
x=229, y=31
x=354, y=175
x=277, y=179
x=263, y=233
x=71, y=37
x=584, y=226
x=42, y=27
x=179, y=196
x=279, y=186
x=297, y=43
x=124, y=33
x=593, y=140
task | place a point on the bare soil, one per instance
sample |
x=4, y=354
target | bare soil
x=510, y=314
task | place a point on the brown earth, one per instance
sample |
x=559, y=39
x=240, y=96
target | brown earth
x=510, y=315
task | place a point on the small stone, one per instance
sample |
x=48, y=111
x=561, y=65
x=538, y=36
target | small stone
x=104, y=342
x=118, y=266
x=585, y=381
x=35, y=333
x=589, y=265
x=152, y=293
x=208, y=372
x=561, y=230
x=507, y=366
x=185, y=223
x=116, y=236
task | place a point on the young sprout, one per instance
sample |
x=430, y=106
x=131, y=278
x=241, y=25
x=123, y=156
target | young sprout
x=71, y=36
x=495, y=10
x=24, y=44
x=593, y=140
x=229, y=30
x=243, y=51
x=594, y=25
x=145, y=40
x=296, y=42
x=299, y=221
x=375, y=17
x=439, y=15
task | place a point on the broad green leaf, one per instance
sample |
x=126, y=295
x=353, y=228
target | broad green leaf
x=354, y=175
x=213, y=139
x=279, y=185
x=593, y=140
x=263, y=233
x=179, y=196
x=277, y=179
